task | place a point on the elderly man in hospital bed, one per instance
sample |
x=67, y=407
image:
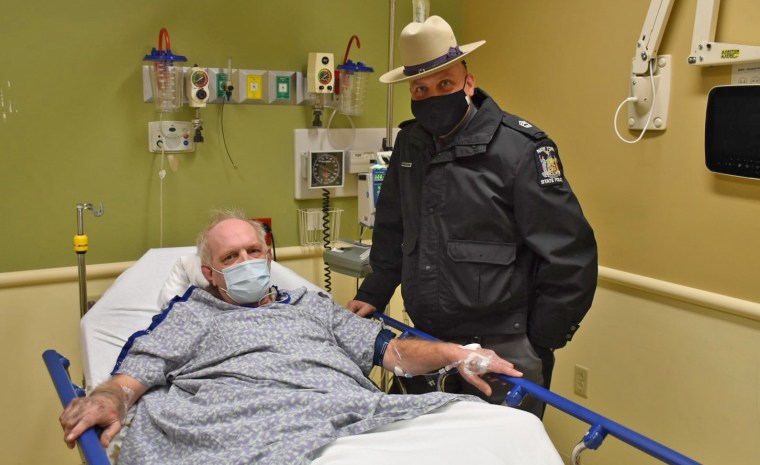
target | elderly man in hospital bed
x=243, y=372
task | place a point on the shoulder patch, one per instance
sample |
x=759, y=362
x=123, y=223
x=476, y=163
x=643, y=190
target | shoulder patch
x=522, y=126
x=548, y=165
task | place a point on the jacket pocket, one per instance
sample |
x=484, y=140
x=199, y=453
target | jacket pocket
x=496, y=253
x=478, y=275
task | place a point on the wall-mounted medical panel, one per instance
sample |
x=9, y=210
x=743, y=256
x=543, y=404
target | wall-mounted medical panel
x=285, y=87
x=251, y=86
x=318, y=139
x=170, y=136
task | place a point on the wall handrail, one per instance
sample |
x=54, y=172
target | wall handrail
x=112, y=270
x=720, y=302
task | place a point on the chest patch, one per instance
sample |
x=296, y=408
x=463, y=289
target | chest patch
x=548, y=166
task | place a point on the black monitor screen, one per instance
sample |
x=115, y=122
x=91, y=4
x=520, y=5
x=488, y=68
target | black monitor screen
x=732, y=130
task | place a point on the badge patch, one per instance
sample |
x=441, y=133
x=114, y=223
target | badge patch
x=406, y=164
x=548, y=165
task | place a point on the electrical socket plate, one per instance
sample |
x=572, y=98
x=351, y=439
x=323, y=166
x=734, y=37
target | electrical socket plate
x=745, y=73
x=580, y=381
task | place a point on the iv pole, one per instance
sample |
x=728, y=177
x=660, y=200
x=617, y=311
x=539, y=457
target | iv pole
x=388, y=141
x=80, y=247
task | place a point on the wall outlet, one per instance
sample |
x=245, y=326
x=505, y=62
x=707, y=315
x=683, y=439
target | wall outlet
x=580, y=381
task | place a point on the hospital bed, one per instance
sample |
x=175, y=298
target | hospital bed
x=146, y=287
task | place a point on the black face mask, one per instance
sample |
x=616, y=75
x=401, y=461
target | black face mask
x=440, y=114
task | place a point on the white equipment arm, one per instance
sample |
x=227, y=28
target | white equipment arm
x=651, y=35
x=705, y=51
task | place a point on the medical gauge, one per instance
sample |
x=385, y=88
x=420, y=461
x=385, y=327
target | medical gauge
x=320, y=80
x=326, y=169
x=197, y=81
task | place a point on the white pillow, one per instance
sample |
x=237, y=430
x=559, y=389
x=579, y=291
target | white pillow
x=186, y=272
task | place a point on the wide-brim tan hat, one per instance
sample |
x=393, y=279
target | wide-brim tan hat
x=427, y=48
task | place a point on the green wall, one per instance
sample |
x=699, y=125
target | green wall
x=73, y=124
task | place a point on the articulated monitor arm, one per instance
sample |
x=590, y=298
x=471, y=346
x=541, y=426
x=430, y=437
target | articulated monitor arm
x=650, y=74
x=651, y=34
x=705, y=51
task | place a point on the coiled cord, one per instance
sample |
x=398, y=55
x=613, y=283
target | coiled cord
x=326, y=235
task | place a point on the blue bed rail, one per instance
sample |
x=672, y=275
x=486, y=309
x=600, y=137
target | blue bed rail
x=89, y=442
x=600, y=425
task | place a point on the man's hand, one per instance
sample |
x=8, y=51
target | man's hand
x=412, y=356
x=361, y=308
x=84, y=412
x=481, y=361
x=106, y=406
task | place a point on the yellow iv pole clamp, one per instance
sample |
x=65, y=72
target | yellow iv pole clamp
x=81, y=245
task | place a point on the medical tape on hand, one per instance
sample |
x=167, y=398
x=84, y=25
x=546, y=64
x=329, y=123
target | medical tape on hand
x=474, y=363
x=477, y=364
x=397, y=370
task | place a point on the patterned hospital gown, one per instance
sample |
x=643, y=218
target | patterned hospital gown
x=267, y=385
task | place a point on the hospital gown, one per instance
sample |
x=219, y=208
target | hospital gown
x=267, y=385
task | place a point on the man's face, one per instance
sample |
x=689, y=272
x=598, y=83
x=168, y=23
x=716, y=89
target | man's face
x=444, y=82
x=231, y=242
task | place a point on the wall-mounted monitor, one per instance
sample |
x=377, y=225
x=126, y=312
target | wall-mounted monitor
x=732, y=130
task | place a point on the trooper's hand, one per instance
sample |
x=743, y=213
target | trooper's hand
x=361, y=308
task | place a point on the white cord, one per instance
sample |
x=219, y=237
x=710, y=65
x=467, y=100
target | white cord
x=353, y=131
x=634, y=99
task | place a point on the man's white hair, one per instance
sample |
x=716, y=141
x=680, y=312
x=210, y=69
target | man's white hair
x=217, y=217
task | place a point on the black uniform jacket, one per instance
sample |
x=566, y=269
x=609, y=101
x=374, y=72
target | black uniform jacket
x=485, y=237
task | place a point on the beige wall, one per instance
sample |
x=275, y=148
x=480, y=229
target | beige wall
x=681, y=373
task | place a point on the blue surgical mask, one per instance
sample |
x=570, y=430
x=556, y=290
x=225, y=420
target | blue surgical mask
x=247, y=282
